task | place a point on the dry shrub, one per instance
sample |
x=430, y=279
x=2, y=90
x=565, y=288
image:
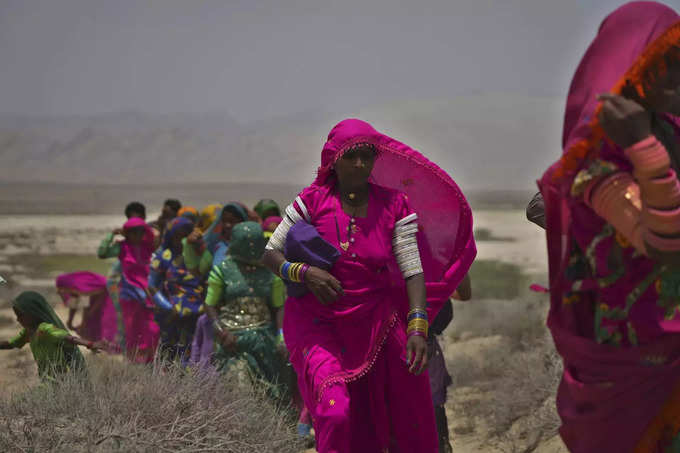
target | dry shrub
x=126, y=408
x=521, y=321
x=515, y=390
x=506, y=371
x=524, y=413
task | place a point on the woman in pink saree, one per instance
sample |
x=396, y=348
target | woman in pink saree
x=141, y=331
x=99, y=318
x=404, y=233
x=612, y=205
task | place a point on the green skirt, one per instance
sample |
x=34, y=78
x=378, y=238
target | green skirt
x=256, y=355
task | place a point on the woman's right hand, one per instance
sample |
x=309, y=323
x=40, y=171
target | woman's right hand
x=194, y=236
x=323, y=285
x=117, y=231
x=227, y=340
x=624, y=121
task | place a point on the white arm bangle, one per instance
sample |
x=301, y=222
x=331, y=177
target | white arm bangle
x=405, y=246
x=291, y=216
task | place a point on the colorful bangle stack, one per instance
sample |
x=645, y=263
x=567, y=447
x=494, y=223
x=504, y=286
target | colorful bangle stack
x=293, y=272
x=659, y=192
x=417, y=323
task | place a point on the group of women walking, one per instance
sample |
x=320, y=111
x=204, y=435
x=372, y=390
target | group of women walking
x=345, y=281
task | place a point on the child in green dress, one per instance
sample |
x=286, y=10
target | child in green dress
x=54, y=349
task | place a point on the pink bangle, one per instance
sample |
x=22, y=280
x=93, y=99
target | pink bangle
x=663, y=192
x=416, y=333
x=649, y=158
x=303, y=271
x=608, y=190
x=662, y=222
x=661, y=243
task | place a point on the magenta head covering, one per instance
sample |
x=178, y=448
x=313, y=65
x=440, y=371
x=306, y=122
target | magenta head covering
x=622, y=39
x=271, y=220
x=134, y=222
x=444, y=216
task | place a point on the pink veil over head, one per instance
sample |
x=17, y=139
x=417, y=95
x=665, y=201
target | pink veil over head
x=629, y=40
x=446, y=241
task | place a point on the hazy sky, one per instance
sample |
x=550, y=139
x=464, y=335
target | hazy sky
x=261, y=58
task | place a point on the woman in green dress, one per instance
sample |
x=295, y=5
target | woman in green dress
x=54, y=349
x=243, y=299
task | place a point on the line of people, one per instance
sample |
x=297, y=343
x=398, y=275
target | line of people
x=371, y=251
x=191, y=288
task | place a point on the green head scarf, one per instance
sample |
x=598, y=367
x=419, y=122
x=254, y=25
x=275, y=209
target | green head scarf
x=263, y=206
x=247, y=242
x=35, y=305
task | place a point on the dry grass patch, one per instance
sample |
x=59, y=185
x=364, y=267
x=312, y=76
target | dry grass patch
x=126, y=408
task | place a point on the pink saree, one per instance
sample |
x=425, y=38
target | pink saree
x=620, y=347
x=141, y=331
x=350, y=356
x=99, y=319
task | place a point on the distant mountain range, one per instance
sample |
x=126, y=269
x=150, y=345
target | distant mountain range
x=486, y=142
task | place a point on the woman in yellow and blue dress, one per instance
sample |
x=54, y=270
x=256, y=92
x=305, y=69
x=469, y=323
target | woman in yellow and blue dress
x=177, y=292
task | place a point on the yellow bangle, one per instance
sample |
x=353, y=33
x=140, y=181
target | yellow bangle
x=295, y=272
x=418, y=322
x=298, y=268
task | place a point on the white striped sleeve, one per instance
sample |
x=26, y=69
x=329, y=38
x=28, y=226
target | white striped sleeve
x=290, y=217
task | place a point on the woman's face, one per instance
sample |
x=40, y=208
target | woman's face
x=168, y=212
x=25, y=320
x=355, y=166
x=229, y=219
x=273, y=212
x=669, y=102
x=664, y=94
x=135, y=235
x=178, y=236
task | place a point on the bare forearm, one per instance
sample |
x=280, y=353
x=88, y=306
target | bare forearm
x=273, y=260
x=211, y=312
x=415, y=287
x=79, y=341
x=279, y=318
x=464, y=290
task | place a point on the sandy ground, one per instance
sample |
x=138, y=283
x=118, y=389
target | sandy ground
x=80, y=235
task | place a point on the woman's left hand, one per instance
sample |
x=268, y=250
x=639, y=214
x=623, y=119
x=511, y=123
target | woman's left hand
x=416, y=353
